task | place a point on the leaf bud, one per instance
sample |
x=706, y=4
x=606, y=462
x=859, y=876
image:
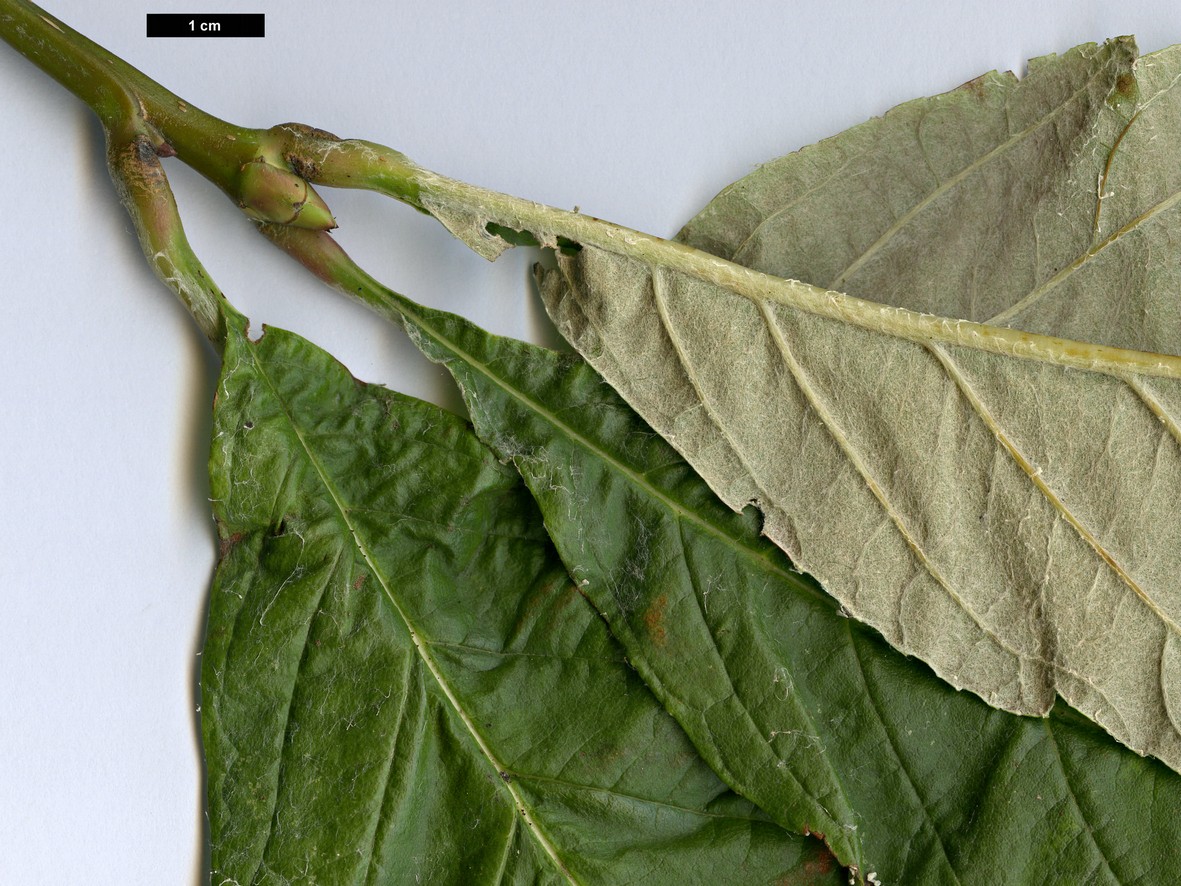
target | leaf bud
x=271, y=193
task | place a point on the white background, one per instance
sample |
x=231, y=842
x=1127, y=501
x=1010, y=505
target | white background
x=637, y=113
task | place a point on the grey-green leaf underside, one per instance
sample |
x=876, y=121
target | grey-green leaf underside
x=400, y=683
x=1010, y=520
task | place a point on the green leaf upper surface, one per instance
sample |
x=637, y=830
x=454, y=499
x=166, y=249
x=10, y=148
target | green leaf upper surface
x=400, y=684
x=776, y=688
x=998, y=503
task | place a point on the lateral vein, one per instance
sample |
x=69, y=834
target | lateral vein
x=419, y=645
x=841, y=439
x=1039, y=481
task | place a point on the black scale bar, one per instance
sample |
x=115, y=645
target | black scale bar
x=193, y=24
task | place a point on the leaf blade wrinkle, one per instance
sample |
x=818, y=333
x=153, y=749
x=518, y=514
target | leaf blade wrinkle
x=398, y=672
x=941, y=787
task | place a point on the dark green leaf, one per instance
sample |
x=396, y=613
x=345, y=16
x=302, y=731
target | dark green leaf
x=774, y=686
x=400, y=682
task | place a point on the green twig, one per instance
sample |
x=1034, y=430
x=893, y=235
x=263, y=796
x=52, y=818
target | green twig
x=240, y=161
x=135, y=166
x=269, y=173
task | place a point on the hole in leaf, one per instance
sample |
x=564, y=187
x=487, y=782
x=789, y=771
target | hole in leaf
x=566, y=246
x=509, y=235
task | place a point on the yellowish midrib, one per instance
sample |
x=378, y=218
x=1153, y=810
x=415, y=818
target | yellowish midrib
x=419, y=645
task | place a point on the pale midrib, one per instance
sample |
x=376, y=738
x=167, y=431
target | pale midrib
x=546, y=223
x=1043, y=487
x=828, y=420
x=420, y=647
x=579, y=440
x=681, y=514
x=945, y=186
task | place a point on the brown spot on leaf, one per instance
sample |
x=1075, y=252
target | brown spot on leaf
x=822, y=864
x=1125, y=85
x=360, y=580
x=976, y=87
x=654, y=620
x=809, y=872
